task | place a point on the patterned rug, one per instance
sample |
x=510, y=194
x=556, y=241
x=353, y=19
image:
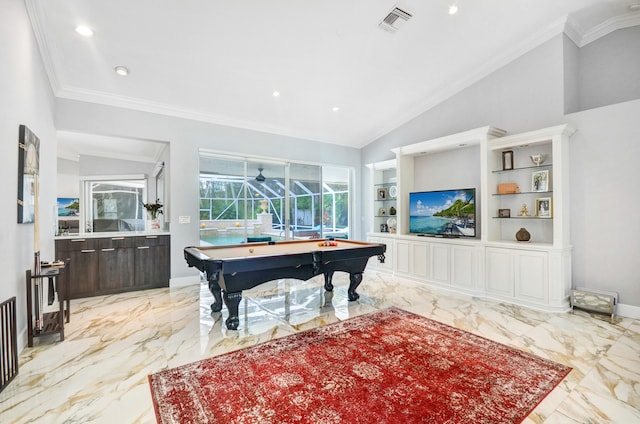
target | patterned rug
x=390, y=366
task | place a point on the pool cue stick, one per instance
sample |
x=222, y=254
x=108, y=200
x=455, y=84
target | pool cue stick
x=39, y=295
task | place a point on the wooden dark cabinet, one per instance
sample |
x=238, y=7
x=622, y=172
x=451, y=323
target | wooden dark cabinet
x=116, y=264
x=152, y=260
x=82, y=276
x=107, y=265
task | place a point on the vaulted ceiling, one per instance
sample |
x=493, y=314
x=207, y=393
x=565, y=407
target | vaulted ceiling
x=221, y=61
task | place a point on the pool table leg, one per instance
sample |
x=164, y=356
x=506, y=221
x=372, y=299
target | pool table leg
x=328, y=285
x=214, y=288
x=355, y=278
x=232, y=300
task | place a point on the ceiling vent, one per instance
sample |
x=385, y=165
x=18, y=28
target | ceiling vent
x=394, y=20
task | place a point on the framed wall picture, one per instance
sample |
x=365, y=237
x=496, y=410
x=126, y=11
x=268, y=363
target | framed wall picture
x=540, y=181
x=543, y=207
x=507, y=160
x=28, y=170
x=504, y=213
x=382, y=194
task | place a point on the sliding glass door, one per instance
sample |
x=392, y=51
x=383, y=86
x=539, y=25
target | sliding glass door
x=250, y=200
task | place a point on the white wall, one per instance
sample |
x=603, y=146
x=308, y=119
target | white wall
x=185, y=138
x=609, y=70
x=528, y=94
x=68, y=178
x=26, y=99
x=605, y=229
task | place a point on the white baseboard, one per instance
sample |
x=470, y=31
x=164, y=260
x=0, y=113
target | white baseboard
x=184, y=281
x=628, y=311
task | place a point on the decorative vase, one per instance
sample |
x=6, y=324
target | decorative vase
x=523, y=235
x=392, y=210
x=153, y=224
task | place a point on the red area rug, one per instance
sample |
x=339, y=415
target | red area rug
x=390, y=366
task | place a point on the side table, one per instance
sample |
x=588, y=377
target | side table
x=52, y=322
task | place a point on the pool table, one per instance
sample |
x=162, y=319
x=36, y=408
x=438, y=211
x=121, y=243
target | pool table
x=231, y=269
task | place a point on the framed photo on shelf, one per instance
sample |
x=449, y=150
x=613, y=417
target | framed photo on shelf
x=543, y=207
x=504, y=213
x=540, y=181
x=382, y=194
x=507, y=160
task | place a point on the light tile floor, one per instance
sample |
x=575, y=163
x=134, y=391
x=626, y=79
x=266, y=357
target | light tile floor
x=99, y=373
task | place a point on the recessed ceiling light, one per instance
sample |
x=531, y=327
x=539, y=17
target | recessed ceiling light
x=85, y=31
x=122, y=71
x=453, y=9
x=276, y=94
x=335, y=108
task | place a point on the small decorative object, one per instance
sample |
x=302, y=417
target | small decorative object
x=392, y=224
x=508, y=188
x=237, y=224
x=504, y=213
x=543, y=207
x=264, y=204
x=384, y=228
x=382, y=212
x=540, y=181
x=154, y=209
x=393, y=192
x=382, y=194
x=523, y=235
x=392, y=210
x=507, y=160
x=524, y=211
x=538, y=159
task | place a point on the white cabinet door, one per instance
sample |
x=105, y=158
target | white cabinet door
x=389, y=254
x=439, y=262
x=419, y=259
x=532, y=276
x=463, y=267
x=402, y=256
x=499, y=272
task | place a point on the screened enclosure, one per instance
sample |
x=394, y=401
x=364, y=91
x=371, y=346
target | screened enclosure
x=244, y=200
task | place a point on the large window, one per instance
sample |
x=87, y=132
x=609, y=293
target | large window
x=114, y=204
x=258, y=200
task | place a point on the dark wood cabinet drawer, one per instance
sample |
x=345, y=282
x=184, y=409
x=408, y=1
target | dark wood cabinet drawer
x=116, y=242
x=76, y=245
x=151, y=240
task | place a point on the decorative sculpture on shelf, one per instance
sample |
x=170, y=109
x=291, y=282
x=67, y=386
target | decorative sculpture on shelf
x=523, y=235
x=538, y=159
x=524, y=211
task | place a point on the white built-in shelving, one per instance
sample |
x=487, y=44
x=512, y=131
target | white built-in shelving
x=493, y=264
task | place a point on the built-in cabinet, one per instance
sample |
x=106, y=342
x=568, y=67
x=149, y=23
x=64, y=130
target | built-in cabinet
x=514, y=190
x=385, y=195
x=107, y=265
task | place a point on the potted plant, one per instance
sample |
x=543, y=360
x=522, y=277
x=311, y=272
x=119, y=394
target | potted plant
x=154, y=210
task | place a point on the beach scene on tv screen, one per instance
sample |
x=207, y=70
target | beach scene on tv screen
x=446, y=212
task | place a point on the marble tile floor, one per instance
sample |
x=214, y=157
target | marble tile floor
x=99, y=373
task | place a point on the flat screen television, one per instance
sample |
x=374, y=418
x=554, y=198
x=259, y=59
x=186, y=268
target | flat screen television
x=443, y=213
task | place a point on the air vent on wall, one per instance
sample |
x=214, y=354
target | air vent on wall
x=395, y=19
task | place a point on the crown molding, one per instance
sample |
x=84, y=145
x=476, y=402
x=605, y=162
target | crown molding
x=109, y=99
x=582, y=37
x=46, y=48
